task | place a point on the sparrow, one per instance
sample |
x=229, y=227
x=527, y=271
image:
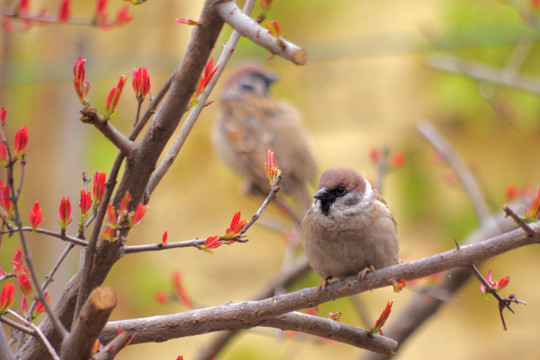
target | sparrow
x=349, y=229
x=250, y=122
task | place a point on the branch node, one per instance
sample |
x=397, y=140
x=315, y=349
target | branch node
x=518, y=220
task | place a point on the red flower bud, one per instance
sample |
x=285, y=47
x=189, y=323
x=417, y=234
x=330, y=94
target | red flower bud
x=398, y=159
x=236, y=226
x=141, y=83
x=17, y=260
x=81, y=86
x=180, y=291
x=23, y=6
x=6, y=206
x=7, y=298
x=3, y=115
x=123, y=16
x=270, y=168
x=64, y=12
x=164, y=238
x=162, y=297
x=4, y=159
x=101, y=14
x=35, y=216
x=136, y=217
x=24, y=305
x=39, y=307
x=124, y=203
x=21, y=140
x=534, y=211
x=503, y=282
x=25, y=285
x=379, y=323
x=114, y=96
x=211, y=242
x=85, y=202
x=99, y=187
x=187, y=22
x=65, y=213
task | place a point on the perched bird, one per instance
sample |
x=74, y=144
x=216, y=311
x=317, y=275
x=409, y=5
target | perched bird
x=250, y=123
x=349, y=228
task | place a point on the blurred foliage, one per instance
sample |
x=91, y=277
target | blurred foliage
x=366, y=86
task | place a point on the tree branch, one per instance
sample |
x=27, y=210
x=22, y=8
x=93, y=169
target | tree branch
x=89, y=115
x=5, y=349
x=430, y=133
x=109, y=351
x=333, y=330
x=252, y=313
x=283, y=280
x=509, y=212
x=249, y=28
x=484, y=72
x=90, y=322
x=179, y=141
x=428, y=301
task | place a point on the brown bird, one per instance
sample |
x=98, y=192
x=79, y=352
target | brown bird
x=250, y=123
x=349, y=228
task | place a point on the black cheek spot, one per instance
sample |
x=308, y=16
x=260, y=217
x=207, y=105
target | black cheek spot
x=352, y=201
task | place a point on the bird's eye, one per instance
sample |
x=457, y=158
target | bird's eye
x=340, y=190
x=248, y=87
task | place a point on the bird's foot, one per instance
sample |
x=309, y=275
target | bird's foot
x=323, y=284
x=364, y=271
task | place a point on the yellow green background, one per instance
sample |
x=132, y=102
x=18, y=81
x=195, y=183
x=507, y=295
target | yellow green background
x=366, y=85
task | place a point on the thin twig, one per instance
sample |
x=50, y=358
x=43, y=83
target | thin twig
x=484, y=72
x=67, y=238
x=199, y=242
x=430, y=133
x=517, y=219
x=26, y=252
x=273, y=191
x=50, y=276
x=189, y=123
x=131, y=249
x=16, y=325
x=504, y=303
x=45, y=342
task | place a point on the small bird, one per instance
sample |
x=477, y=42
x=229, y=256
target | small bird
x=349, y=228
x=250, y=123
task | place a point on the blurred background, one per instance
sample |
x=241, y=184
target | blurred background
x=370, y=78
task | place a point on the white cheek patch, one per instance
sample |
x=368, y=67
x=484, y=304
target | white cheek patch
x=369, y=194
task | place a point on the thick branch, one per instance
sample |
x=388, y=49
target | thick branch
x=249, y=28
x=283, y=280
x=334, y=330
x=428, y=301
x=94, y=314
x=252, y=313
x=5, y=350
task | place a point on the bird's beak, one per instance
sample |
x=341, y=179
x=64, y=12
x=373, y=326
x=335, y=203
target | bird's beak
x=270, y=78
x=321, y=194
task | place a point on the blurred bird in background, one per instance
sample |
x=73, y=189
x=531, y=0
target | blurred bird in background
x=250, y=122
